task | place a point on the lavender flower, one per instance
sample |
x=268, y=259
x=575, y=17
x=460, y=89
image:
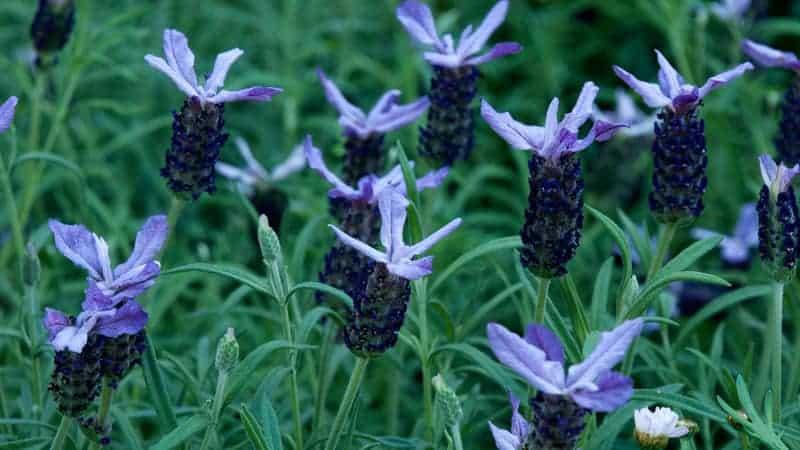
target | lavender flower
x=679, y=150
x=554, y=216
x=450, y=133
x=730, y=10
x=638, y=123
x=735, y=249
x=197, y=130
x=520, y=429
x=564, y=398
x=364, y=132
x=50, y=30
x=7, y=113
x=778, y=224
x=655, y=428
x=380, y=303
x=787, y=141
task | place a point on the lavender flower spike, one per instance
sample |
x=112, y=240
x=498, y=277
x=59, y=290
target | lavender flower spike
x=628, y=113
x=735, y=248
x=90, y=251
x=778, y=220
x=7, y=113
x=397, y=256
x=253, y=175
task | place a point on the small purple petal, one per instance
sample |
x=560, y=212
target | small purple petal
x=179, y=55
x=724, y=77
x=149, y=241
x=526, y=360
x=474, y=42
x=613, y=390
x=583, y=108
x=130, y=318
x=78, y=244
x=393, y=207
x=398, y=116
x=316, y=163
x=503, y=439
x=412, y=270
x=518, y=135
x=7, y=113
x=54, y=321
x=338, y=100
x=432, y=179
x=770, y=57
x=498, y=51
x=539, y=336
x=95, y=299
x=610, y=350
x=650, y=92
x=686, y=100
x=253, y=94
x=359, y=246
x=425, y=244
x=519, y=426
x=417, y=19
x=133, y=282
x=162, y=66
x=604, y=131
x=769, y=170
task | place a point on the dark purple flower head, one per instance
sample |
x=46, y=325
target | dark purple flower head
x=179, y=67
x=370, y=187
x=539, y=359
x=90, y=251
x=672, y=90
x=384, y=117
x=253, y=174
x=735, y=248
x=397, y=256
x=417, y=19
x=777, y=177
x=554, y=138
x=770, y=57
x=520, y=429
x=7, y=113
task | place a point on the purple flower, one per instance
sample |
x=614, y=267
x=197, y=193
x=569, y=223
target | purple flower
x=253, y=174
x=417, y=19
x=90, y=251
x=777, y=177
x=730, y=10
x=397, y=256
x=384, y=117
x=520, y=428
x=7, y=113
x=628, y=113
x=555, y=138
x=369, y=187
x=539, y=359
x=672, y=90
x=770, y=57
x=736, y=247
x=179, y=67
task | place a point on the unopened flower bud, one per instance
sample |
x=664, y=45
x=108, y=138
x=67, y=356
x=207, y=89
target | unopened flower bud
x=227, y=352
x=268, y=241
x=447, y=402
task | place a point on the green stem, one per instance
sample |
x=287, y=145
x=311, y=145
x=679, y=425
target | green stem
x=175, y=209
x=455, y=431
x=665, y=238
x=13, y=214
x=776, y=338
x=216, y=408
x=61, y=434
x=322, y=379
x=350, y=394
x=298, y=423
x=106, y=395
x=541, y=300
x=420, y=288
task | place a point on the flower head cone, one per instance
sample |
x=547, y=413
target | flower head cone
x=554, y=216
x=449, y=134
x=197, y=129
x=679, y=149
x=778, y=220
x=51, y=28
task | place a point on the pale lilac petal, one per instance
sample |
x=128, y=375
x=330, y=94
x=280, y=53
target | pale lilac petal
x=252, y=163
x=133, y=282
x=179, y=55
x=518, y=135
x=498, y=51
x=770, y=57
x=337, y=99
x=604, y=131
x=399, y=116
x=7, y=113
x=252, y=94
x=417, y=19
x=54, y=321
x=702, y=233
x=475, y=41
x=95, y=299
x=432, y=179
x=527, y=361
x=449, y=60
x=583, y=108
x=294, y=163
x=723, y=78
x=540, y=336
x=747, y=226
x=769, y=170
x=384, y=104
x=650, y=92
x=222, y=65
x=162, y=66
x=551, y=129
x=73, y=338
x=734, y=251
x=315, y=162
x=610, y=350
x=235, y=174
x=78, y=244
x=149, y=241
x=519, y=426
x=393, y=208
x=668, y=77
x=361, y=247
x=425, y=244
x=130, y=318
x=613, y=390
x=503, y=439
x=412, y=270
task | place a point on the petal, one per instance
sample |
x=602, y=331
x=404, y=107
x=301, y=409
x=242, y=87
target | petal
x=95, y=299
x=361, y=247
x=294, y=163
x=432, y=179
x=650, y=92
x=337, y=99
x=770, y=57
x=448, y=60
x=610, y=350
x=252, y=94
x=179, y=55
x=7, y=113
x=385, y=103
x=54, y=321
x=315, y=162
x=417, y=19
x=78, y=244
x=393, y=209
x=518, y=135
x=425, y=244
x=526, y=360
x=412, y=270
x=161, y=65
x=399, y=116
x=519, y=426
x=149, y=241
x=541, y=337
x=734, y=251
x=498, y=51
x=73, y=338
x=475, y=41
x=583, y=108
x=253, y=165
x=551, y=129
x=747, y=226
x=668, y=76
x=613, y=390
x=130, y=318
x=503, y=439
x=769, y=170
x=723, y=78
x=235, y=174
x=222, y=64
x=133, y=282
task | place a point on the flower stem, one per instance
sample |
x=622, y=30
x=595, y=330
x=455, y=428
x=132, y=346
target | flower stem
x=175, y=209
x=298, y=424
x=13, y=213
x=455, y=431
x=421, y=295
x=106, y=395
x=665, y=238
x=541, y=300
x=350, y=394
x=219, y=398
x=61, y=434
x=776, y=342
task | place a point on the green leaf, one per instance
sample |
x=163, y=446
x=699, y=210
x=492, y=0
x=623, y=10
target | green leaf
x=182, y=432
x=622, y=242
x=49, y=158
x=322, y=287
x=689, y=256
x=226, y=270
x=310, y=320
x=242, y=376
x=24, y=443
x=600, y=294
x=270, y=423
x=576, y=311
x=157, y=387
x=492, y=369
x=252, y=428
x=496, y=245
x=653, y=288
